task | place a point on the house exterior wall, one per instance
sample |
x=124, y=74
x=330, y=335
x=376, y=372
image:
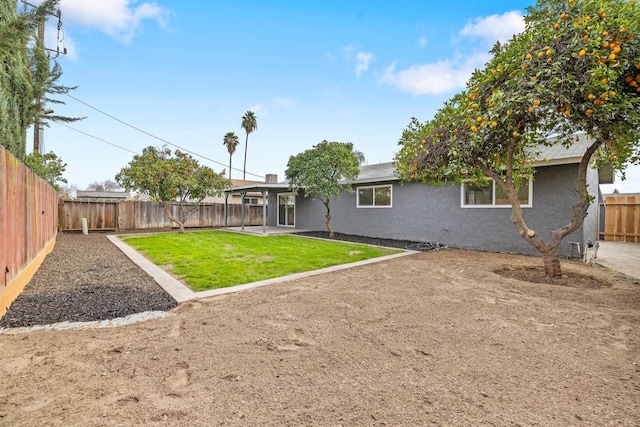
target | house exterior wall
x=590, y=225
x=422, y=212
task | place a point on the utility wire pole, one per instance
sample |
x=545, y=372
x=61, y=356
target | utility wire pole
x=38, y=130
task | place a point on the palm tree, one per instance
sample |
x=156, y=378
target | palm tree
x=249, y=124
x=231, y=141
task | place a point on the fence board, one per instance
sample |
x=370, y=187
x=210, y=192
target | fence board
x=622, y=219
x=28, y=223
x=144, y=215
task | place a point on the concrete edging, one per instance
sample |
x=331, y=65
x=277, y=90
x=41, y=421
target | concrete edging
x=181, y=293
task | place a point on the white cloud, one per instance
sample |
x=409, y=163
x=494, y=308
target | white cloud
x=495, y=27
x=362, y=62
x=361, y=59
x=120, y=19
x=284, y=102
x=433, y=79
x=452, y=74
x=260, y=111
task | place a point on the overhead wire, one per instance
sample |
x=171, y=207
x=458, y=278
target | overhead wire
x=152, y=136
x=95, y=137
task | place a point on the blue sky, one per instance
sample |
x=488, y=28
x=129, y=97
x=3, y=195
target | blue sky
x=186, y=72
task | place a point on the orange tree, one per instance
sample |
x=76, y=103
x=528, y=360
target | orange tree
x=575, y=69
x=168, y=178
x=324, y=172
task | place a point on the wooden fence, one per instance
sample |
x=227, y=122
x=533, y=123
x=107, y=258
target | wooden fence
x=28, y=225
x=621, y=219
x=143, y=215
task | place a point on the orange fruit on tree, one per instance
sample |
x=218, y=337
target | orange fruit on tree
x=617, y=49
x=536, y=102
x=590, y=96
x=556, y=25
x=612, y=57
x=582, y=52
x=589, y=112
x=528, y=56
x=605, y=44
x=474, y=128
x=605, y=34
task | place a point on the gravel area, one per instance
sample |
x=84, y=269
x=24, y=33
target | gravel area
x=85, y=278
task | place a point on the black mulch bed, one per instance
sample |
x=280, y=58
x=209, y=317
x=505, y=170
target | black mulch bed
x=391, y=243
x=85, y=278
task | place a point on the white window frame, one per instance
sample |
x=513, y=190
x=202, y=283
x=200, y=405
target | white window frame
x=373, y=187
x=493, y=196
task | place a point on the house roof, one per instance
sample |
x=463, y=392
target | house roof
x=87, y=194
x=258, y=186
x=376, y=173
x=557, y=154
x=549, y=155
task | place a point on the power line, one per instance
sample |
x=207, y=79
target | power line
x=95, y=137
x=157, y=137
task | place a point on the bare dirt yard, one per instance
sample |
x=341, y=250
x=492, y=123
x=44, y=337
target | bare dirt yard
x=451, y=338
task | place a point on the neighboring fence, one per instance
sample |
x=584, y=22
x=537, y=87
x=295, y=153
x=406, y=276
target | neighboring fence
x=28, y=224
x=621, y=219
x=143, y=215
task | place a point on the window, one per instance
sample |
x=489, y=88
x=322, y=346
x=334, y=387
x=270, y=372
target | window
x=374, y=197
x=492, y=195
x=251, y=200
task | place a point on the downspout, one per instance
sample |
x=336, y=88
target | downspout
x=264, y=212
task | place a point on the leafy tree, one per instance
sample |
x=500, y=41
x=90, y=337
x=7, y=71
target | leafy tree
x=324, y=171
x=360, y=155
x=47, y=166
x=249, y=124
x=106, y=185
x=168, y=178
x=16, y=86
x=231, y=142
x=67, y=192
x=575, y=68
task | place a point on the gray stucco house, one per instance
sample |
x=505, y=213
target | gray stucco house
x=464, y=216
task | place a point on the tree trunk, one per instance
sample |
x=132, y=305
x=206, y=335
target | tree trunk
x=551, y=263
x=328, y=222
x=328, y=217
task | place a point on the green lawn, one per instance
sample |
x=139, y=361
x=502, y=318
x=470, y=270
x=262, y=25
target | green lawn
x=219, y=259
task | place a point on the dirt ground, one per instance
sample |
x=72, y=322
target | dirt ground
x=436, y=338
